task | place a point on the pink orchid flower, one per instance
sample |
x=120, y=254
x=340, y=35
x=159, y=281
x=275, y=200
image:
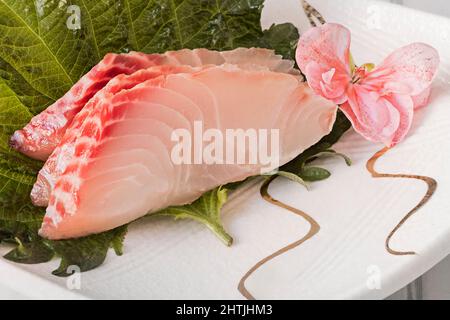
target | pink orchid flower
x=379, y=102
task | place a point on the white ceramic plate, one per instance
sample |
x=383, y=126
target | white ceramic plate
x=347, y=258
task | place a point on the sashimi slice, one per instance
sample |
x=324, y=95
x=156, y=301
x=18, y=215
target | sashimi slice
x=255, y=56
x=56, y=163
x=129, y=184
x=39, y=138
x=245, y=58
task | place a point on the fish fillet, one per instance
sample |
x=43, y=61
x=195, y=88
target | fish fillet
x=40, y=137
x=120, y=168
x=56, y=163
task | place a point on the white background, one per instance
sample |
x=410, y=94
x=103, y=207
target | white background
x=441, y=7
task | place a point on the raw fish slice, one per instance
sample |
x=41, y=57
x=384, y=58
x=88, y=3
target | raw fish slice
x=262, y=57
x=144, y=129
x=153, y=116
x=121, y=162
x=240, y=104
x=43, y=133
x=209, y=57
x=108, y=149
x=173, y=101
x=190, y=58
x=47, y=175
x=82, y=203
x=301, y=105
x=199, y=94
x=154, y=93
x=39, y=138
x=243, y=57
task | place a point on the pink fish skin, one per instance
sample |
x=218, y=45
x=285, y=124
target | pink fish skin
x=40, y=137
x=120, y=167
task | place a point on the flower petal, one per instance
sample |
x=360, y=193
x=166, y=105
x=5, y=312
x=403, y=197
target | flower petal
x=408, y=70
x=421, y=100
x=327, y=83
x=405, y=106
x=377, y=118
x=323, y=55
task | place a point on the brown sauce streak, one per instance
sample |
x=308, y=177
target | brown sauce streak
x=431, y=183
x=314, y=229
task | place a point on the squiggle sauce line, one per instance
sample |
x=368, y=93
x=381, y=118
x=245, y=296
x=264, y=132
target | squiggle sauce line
x=431, y=183
x=314, y=229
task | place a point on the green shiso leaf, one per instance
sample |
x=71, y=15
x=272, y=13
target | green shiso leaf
x=300, y=165
x=295, y=177
x=41, y=58
x=314, y=173
x=205, y=210
x=332, y=153
x=341, y=125
x=86, y=253
x=282, y=38
x=32, y=252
